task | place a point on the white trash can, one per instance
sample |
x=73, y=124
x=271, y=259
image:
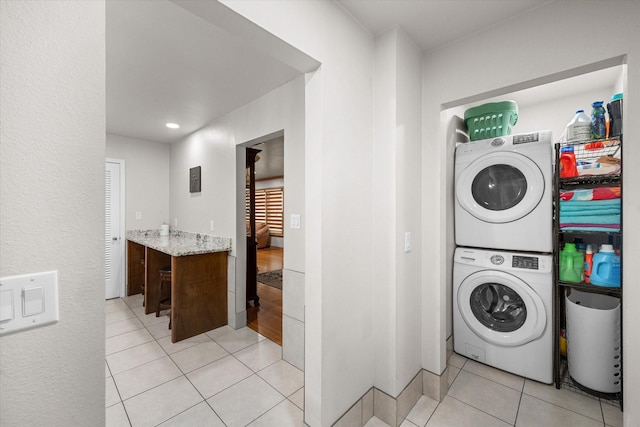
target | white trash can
x=593, y=340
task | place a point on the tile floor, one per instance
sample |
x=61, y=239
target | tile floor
x=225, y=377
x=481, y=396
x=230, y=377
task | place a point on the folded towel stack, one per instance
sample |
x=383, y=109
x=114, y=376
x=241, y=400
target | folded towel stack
x=596, y=209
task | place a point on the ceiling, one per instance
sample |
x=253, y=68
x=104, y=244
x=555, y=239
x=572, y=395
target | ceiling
x=166, y=64
x=433, y=24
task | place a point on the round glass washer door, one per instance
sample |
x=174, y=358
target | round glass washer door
x=500, y=187
x=501, y=308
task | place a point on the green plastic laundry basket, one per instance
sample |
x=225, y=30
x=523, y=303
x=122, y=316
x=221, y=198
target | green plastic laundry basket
x=491, y=119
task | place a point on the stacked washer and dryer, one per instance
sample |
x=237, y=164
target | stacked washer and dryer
x=503, y=266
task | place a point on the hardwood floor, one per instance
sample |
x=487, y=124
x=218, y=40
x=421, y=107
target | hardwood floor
x=270, y=259
x=266, y=319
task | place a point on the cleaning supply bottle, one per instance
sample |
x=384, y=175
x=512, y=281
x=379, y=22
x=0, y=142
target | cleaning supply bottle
x=615, y=115
x=571, y=264
x=606, y=268
x=579, y=128
x=588, y=263
x=568, y=166
x=598, y=123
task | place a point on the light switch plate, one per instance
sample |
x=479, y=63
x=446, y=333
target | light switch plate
x=28, y=301
x=407, y=241
x=295, y=221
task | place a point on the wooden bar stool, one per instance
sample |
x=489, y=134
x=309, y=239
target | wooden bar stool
x=165, y=283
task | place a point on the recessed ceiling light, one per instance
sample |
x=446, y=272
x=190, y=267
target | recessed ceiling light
x=173, y=125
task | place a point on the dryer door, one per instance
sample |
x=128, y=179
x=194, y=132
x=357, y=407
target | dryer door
x=501, y=308
x=500, y=187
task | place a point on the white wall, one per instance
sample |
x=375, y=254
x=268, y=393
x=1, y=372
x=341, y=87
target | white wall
x=217, y=148
x=396, y=210
x=147, y=180
x=339, y=177
x=460, y=71
x=52, y=134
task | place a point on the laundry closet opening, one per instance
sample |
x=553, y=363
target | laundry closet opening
x=545, y=104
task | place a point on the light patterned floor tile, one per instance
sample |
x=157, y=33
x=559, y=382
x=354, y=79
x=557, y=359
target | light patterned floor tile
x=199, y=415
x=285, y=414
x=122, y=326
x=376, y=422
x=219, y=375
x=422, y=410
x=218, y=332
x=162, y=403
x=612, y=414
x=260, y=355
x=282, y=376
x=116, y=416
x=565, y=398
x=457, y=360
x=127, y=340
x=298, y=398
x=111, y=393
x=490, y=397
x=160, y=329
x=505, y=378
x=453, y=413
x=244, y=402
x=198, y=356
x=116, y=304
x=174, y=347
x=535, y=413
x=116, y=316
x=452, y=373
x=238, y=339
x=145, y=377
x=135, y=356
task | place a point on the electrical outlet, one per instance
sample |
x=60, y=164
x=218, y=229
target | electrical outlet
x=138, y=216
x=211, y=226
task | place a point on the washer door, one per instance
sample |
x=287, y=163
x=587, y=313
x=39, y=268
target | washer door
x=501, y=308
x=500, y=187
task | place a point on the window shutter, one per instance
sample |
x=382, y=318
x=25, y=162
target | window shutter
x=269, y=209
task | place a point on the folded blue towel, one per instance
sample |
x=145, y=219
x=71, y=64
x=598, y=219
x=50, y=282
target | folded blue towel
x=588, y=204
x=591, y=219
x=587, y=211
x=607, y=229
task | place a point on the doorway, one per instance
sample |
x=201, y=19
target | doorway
x=264, y=210
x=114, y=226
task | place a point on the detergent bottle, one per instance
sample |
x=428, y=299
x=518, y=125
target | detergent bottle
x=579, y=128
x=571, y=264
x=588, y=263
x=568, y=167
x=606, y=268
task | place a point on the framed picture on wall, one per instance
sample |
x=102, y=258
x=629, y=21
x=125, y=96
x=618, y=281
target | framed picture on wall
x=194, y=180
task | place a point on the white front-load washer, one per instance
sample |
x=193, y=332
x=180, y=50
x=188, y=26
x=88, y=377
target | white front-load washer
x=502, y=310
x=503, y=192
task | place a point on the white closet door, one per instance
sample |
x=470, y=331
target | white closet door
x=113, y=242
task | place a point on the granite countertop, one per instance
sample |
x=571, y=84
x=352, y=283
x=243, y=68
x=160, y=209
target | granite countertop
x=180, y=243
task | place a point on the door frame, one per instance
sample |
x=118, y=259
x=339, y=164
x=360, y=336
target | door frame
x=122, y=214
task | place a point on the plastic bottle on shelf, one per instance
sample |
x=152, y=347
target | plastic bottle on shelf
x=615, y=115
x=571, y=264
x=588, y=263
x=568, y=167
x=598, y=123
x=579, y=128
x=606, y=268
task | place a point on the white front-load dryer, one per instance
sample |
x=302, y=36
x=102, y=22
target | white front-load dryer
x=502, y=310
x=503, y=192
